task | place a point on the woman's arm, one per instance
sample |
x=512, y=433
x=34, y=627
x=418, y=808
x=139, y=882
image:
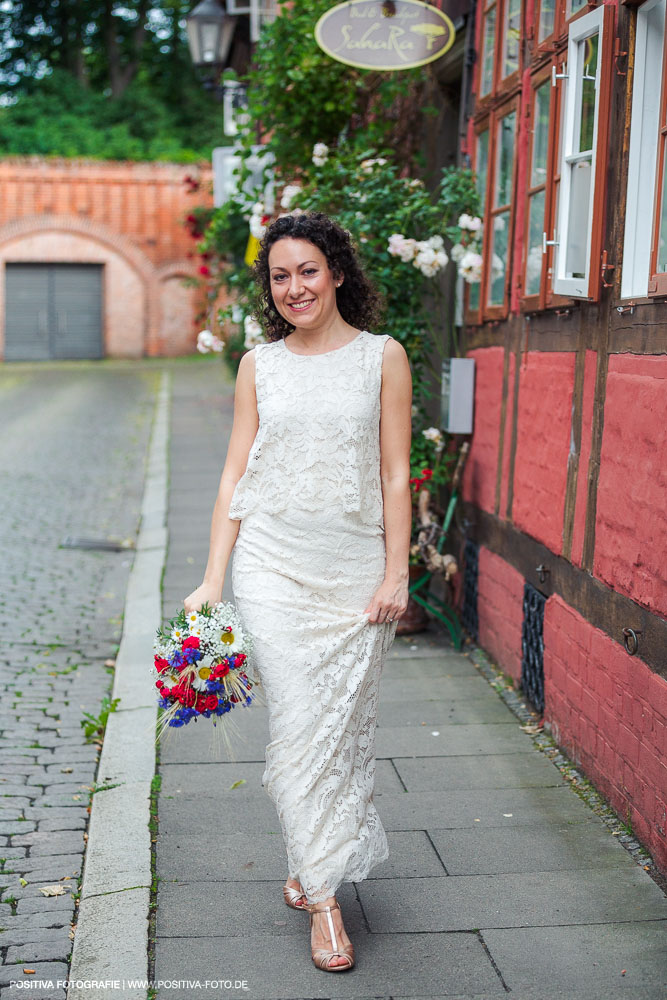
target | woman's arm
x=391, y=599
x=224, y=531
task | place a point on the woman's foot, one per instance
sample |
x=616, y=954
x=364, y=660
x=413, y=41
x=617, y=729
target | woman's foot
x=294, y=894
x=331, y=948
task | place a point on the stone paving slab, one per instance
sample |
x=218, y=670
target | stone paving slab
x=469, y=902
x=579, y=959
x=437, y=713
x=457, y=809
x=537, y=847
x=501, y=770
x=423, y=670
x=220, y=778
x=279, y=967
x=445, y=689
x=261, y=858
x=418, y=741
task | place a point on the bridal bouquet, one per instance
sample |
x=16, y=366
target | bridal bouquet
x=200, y=662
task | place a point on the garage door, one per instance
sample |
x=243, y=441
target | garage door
x=53, y=311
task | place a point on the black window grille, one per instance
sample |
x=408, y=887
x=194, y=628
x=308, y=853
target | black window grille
x=532, y=646
x=469, y=618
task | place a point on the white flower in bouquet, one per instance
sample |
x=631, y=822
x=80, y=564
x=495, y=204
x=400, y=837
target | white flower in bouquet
x=470, y=267
x=253, y=332
x=457, y=252
x=470, y=222
x=435, y=435
x=320, y=154
x=290, y=191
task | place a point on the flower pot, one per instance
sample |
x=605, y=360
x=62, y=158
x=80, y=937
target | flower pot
x=415, y=618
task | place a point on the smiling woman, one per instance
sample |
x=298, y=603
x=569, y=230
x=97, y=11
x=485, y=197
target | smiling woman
x=317, y=474
x=311, y=256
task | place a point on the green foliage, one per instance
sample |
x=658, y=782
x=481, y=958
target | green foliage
x=94, y=725
x=298, y=95
x=103, y=80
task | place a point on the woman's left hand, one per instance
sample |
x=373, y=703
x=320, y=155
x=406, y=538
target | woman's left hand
x=389, y=601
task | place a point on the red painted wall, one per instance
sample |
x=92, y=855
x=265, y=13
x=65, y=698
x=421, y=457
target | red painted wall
x=500, y=610
x=590, y=367
x=631, y=527
x=546, y=381
x=609, y=712
x=479, y=479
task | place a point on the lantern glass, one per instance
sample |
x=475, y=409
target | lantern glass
x=210, y=30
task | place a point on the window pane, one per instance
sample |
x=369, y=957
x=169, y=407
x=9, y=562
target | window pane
x=661, y=260
x=511, y=34
x=574, y=6
x=588, y=92
x=498, y=258
x=535, y=256
x=488, y=41
x=504, y=160
x=577, y=226
x=482, y=160
x=481, y=170
x=547, y=16
x=538, y=172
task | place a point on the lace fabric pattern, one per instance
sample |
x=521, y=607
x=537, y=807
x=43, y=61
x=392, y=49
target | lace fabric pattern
x=318, y=440
x=304, y=568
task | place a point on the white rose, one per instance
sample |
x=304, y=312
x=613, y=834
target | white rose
x=290, y=191
x=320, y=154
x=253, y=332
x=436, y=243
x=256, y=227
x=457, y=252
x=237, y=313
x=205, y=341
x=470, y=267
x=472, y=223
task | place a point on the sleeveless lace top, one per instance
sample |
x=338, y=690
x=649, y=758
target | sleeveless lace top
x=318, y=442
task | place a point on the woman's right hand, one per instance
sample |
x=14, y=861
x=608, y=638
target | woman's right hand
x=205, y=592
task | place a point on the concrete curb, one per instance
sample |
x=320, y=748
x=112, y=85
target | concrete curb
x=111, y=937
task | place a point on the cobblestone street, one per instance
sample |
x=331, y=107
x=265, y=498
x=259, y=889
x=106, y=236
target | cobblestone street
x=72, y=464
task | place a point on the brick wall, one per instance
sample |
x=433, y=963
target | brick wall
x=127, y=217
x=609, y=711
x=606, y=708
x=631, y=525
x=546, y=380
x=500, y=610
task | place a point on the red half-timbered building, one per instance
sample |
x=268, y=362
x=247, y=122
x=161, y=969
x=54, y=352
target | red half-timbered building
x=566, y=486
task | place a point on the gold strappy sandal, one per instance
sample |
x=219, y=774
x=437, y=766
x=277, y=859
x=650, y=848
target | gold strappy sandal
x=321, y=957
x=292, y=897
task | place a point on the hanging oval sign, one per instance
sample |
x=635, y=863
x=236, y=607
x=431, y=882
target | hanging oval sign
x=397, y=34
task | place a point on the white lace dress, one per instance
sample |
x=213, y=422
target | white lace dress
x=309, y=556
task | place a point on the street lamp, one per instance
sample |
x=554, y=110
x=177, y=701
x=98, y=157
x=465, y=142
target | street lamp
x=210, y=29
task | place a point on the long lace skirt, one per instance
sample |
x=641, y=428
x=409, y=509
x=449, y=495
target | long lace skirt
x=301, y=581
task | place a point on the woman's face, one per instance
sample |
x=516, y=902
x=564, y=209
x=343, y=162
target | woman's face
x=302, y=285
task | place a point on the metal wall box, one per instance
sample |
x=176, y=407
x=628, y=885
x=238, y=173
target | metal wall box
x=458, y=393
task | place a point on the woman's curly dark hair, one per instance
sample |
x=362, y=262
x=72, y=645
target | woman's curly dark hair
x=357, y=299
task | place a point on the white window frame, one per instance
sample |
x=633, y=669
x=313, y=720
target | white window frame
x=260, y=14
x=640, y=199
x=581, y=29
